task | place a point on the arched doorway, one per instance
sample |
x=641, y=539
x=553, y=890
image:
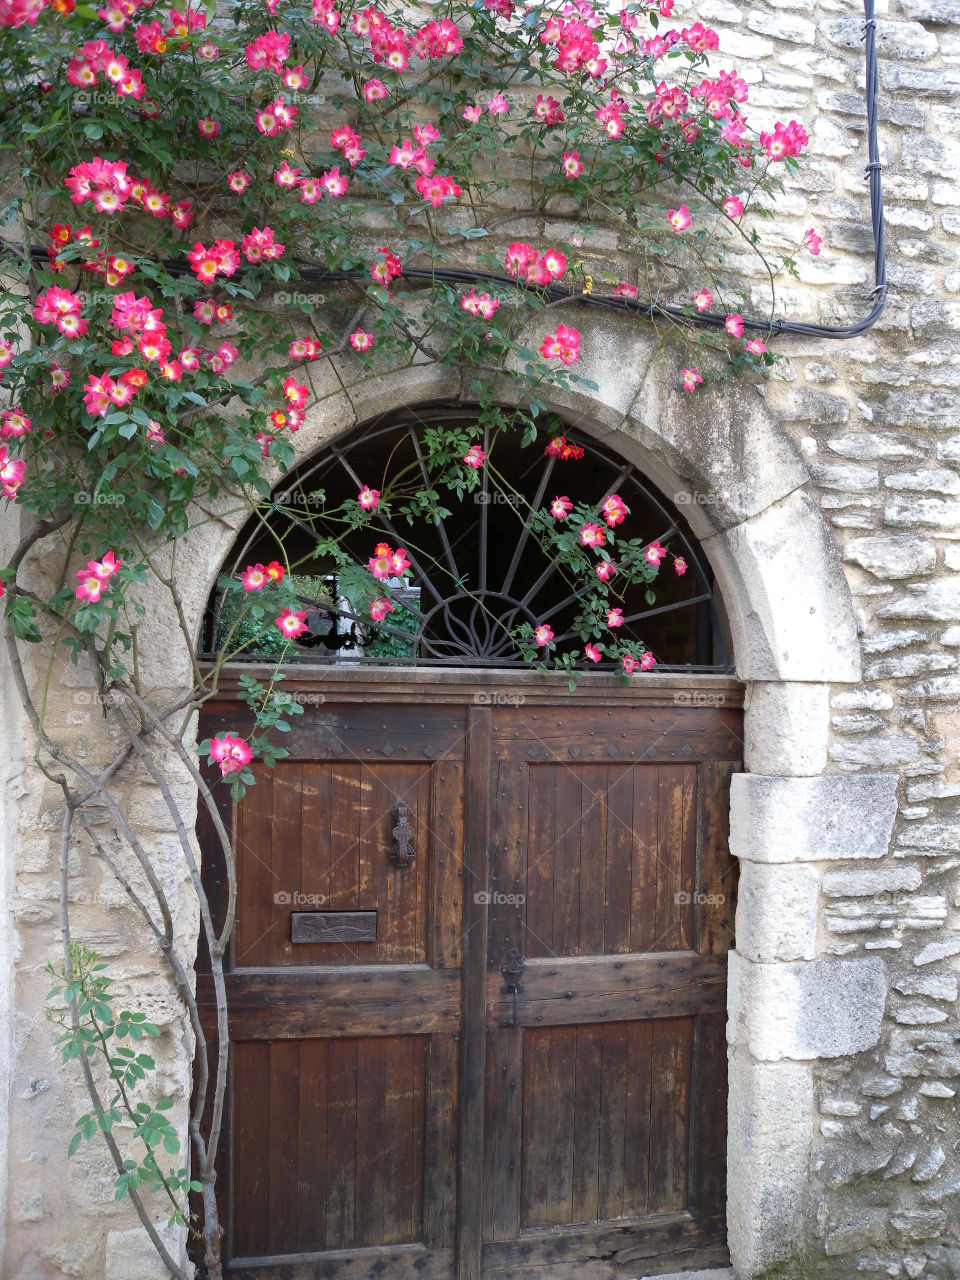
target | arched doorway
x=478, y=979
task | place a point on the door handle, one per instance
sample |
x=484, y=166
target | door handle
x=402, y=852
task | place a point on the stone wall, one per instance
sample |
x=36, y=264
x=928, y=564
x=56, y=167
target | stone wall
x=844, y=1024
x=877, y=421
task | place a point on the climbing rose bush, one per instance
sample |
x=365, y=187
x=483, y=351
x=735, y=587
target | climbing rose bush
x=188, y=172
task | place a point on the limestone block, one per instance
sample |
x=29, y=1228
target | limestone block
x=892, y=556
x=777, y=912
x=807, y=1009
x=131, y=1254
x=786, y=728
x=756, y=562
x=811, y=819
x=769, y=1133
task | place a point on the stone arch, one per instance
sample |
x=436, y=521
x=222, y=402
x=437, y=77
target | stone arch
x=725, y=457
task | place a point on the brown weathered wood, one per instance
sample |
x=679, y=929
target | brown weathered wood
x=592, y=881
x=641, y=1100
x=646, y=854
x=613, y=1093
x=314, y=1154
x=444, y=686
x=541, y=839
x=251, y=1150
x=628, y=734
x=669, y=1075
x=283, y=1157
x=718, y=867
x=567, y=872
x=397, y=1262
x=709, y=1116
x=618, y=888
x=503, y=1121
x=374, y=1001
x=286, y=848
x=343, y=824
x=333, y=926
x=508, y=880
x=255, y=918
x=436, y=1121
x=341, y=1180
x=610, y=989
x=445, y=924
x=645, y=1237
x=441, y=1138
x=473, y=1046
x=586, y=1125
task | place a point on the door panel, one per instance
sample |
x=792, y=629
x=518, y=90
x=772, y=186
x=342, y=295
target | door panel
x=343, y=1143
x=610, y=877
x=399, y=1105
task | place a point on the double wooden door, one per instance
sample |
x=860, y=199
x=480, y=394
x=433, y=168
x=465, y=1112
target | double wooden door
x=477, y=984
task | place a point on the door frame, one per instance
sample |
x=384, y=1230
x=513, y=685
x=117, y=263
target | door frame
x=479, y=691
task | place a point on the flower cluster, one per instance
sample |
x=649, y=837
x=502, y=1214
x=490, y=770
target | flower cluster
x=386, y=563
x=563, y=345
x=60, y=307
x=95, y=576
x=231, y=753
x=523, y=262
x=96, y=58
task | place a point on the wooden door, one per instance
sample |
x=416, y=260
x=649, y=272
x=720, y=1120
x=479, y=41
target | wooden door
x=341, y=1155
x=609, y=909
x=398, y=1105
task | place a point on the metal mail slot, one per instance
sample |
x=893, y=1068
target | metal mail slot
x=333, y=926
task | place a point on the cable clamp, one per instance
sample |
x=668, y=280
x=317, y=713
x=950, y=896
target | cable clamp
x=873, y=167
x=868, y=25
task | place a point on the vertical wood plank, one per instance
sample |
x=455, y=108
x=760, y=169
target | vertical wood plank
x=255, y=863
x=252, y=1150
x=613, y=1102
x=342, y=1138
x=709, y=1115
x=440, y=1157
x=343, y=782
x=567, y=870
x=548, y=1126
x=417, y=1140
x=586, y=1133
x=663, y=1084
x=398, y=1159
x=426, y=852
x=371, y=1138
x=669, y=856
x=718, y=867
x=640, y=1101
x=683, y=1051
x=285, y=865
x=643, y=909
x=284, y=1106
x=541, y=841
x=593, y=860
x=508, y=844
x=619, y=859
x=446, y=857
x=504, y=1129
x=473, y=1046
x=312, y=1215
x=688, y=857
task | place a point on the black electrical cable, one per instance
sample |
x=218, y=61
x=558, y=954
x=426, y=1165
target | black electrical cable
x=706, y=319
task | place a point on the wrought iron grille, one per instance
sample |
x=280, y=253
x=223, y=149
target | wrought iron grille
x=477, y=571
